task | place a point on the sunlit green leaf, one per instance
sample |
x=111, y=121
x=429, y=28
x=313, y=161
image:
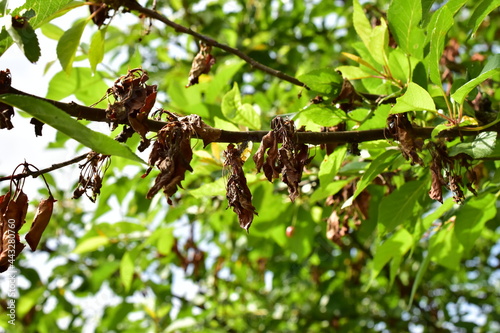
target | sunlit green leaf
x=68, y=45
x=481, y=146
x=127, y=270
x=63, y=122
x=404, y=19
x=415, y=98
x=326, y=81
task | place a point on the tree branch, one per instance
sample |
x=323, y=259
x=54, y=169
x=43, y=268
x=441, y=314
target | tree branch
x=219, y=135
x=46, y=170
x=133, y=5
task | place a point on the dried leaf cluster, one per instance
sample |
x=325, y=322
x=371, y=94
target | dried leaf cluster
x=172, y=153
x=237, y=192
x=13, y=210
x=401, y=129
x=91, y=174
x=446, y=171
x=134, y=99
x=343, y=221
x=289, y=160
x=6, y=111
x=202, y=63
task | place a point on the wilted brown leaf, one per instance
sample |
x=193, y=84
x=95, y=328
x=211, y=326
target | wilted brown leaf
x=289, y=160
x=402, y=130
x=12, y=217
x=237, y=192
x=6, y=111
x=100, y=12
x=202, y=63
x=91, y=174
x=134, y=100
x=40, y=222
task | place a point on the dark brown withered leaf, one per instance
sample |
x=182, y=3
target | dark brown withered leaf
x=6, y=111
x=401, y=129
x=202, y=63
x=91, y=174
x=134, y=100
x=100, y=12
x=40, y=222
x=12, y=216
x=237, y=192
x=172, y=154
x=38, y=126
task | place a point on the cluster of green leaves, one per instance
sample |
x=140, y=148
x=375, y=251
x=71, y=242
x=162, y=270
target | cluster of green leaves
x=411, y=263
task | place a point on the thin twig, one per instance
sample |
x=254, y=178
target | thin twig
x=131, y=4
x=46, y=170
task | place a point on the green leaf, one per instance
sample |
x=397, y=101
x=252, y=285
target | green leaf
x=224, y=74
x=445, y=248
x=127, y=270
x=400, y=205
x=472, y=217
x=24, y=36
x=68, y=44
x=379, y=164
x=91, y=244
x=437, y=30
x=425, y=223
x=163, y=239
x=52, y=31
x=361, y=24
x=326, y=81
x=482, y=10
x=404, y=17
x=394, y=247
x=96, y=49
x=61, y=121
x=238, y=113
x=481, y=146
x=331, y=164
x=86, y=87
x=44, y=10
x=491, y=68
x=415, y=98
x=323, y=115
x=419, y=277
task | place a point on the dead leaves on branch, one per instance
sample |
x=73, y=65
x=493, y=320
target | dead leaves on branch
x=289, y=160
x=91, y=175
x=13, y=210
x=237, y=192
x=134, y=100
x=202, y=63
x=446, y=171
x=6, y=111
x=401, y=130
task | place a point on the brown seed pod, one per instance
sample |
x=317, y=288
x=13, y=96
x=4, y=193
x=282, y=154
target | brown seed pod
x=40, y=222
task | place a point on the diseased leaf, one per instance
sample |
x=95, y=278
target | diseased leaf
x=69, y=43
x=63, y=122
x=481, y=146
x=415, y=98
x=42, y=218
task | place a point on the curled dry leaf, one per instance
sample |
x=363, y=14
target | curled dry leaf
x=447, y=171
x=13, y=209
x=40, y=222
x=401, y=130
x=172, y=153
x=202, y=63
x=237, y=192
x=91, y=174
x=289, y=160
x=134, y=99
x=341, y=222
x=6, y=111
